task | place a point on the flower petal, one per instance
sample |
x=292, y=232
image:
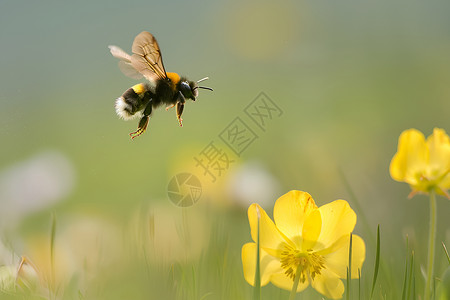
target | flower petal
x=445, y=184
x=282, y=281
x=337, y=258
x=290, y=211
x=268, y=264
x=328, y=284
x=439, y=145
x=411, y=157
x=311, y=230
x=338, y=219
x=269, y=236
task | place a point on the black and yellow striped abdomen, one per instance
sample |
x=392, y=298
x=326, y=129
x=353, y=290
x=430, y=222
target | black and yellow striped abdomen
x=133, y=100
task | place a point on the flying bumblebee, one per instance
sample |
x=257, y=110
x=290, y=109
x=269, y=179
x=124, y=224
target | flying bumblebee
x=162, y=87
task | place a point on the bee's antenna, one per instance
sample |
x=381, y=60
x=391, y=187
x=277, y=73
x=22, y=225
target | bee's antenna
x=203, y=87
x=206, y=88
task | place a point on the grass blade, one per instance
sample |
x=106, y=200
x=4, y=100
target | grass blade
x=257, y=287
x=194, y=283
x=377, y=262
x=444, y=289
x=446, y=252
x=349, y=269
x=52, y=253
x=404, y=281
x=411, y=272
x=359, y=284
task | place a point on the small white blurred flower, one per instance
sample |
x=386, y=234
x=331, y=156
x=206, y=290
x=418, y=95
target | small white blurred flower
x=252, y=183
x=34, y=184
x=8, y=279
x=20, y=277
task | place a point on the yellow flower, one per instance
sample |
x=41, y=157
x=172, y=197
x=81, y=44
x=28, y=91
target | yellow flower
x=314, y=239
x=424, y=165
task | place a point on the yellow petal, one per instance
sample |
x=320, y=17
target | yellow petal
x=282, y=281
x=311, y=230
x=269, y=236
x=290, y=211
x=439, y=145
x=337, y=259
x=445, y=182
x=338, y=219
x=268, y=266
x=411, y=157
x=328, y=284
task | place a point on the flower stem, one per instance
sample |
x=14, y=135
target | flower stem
x=257, y=286
x=295, y=285
x=431, y=242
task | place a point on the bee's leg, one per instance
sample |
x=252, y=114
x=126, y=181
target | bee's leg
x=143, y=122
x=180, y=107
x=141, y=127
x=169, y=107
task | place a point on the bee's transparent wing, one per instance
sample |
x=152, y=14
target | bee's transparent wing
x=125, y=62
x=147, y=57
x=129, y=70
x=119, y=53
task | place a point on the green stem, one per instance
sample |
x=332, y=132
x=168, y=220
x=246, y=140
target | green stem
x=295, y=285
x=257, y=287
x=431, y=242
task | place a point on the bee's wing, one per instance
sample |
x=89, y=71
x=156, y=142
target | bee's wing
x=129, y=70
x=147, y=57
x=125, y=62
x=119, y=53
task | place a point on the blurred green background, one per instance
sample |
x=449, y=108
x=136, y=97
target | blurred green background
x=350, y=76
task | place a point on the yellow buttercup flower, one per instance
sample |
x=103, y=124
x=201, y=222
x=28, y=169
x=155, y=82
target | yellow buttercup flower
x=423, y=164
x=311, y=240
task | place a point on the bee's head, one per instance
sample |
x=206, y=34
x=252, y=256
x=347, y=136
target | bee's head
x=190, y=88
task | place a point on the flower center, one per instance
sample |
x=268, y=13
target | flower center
x=310, y=263
x=431, y=177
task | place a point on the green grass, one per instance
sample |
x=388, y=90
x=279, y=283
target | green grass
x=214, y=273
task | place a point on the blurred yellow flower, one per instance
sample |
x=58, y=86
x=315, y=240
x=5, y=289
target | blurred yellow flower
x=424, y=165
x=304, y=238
